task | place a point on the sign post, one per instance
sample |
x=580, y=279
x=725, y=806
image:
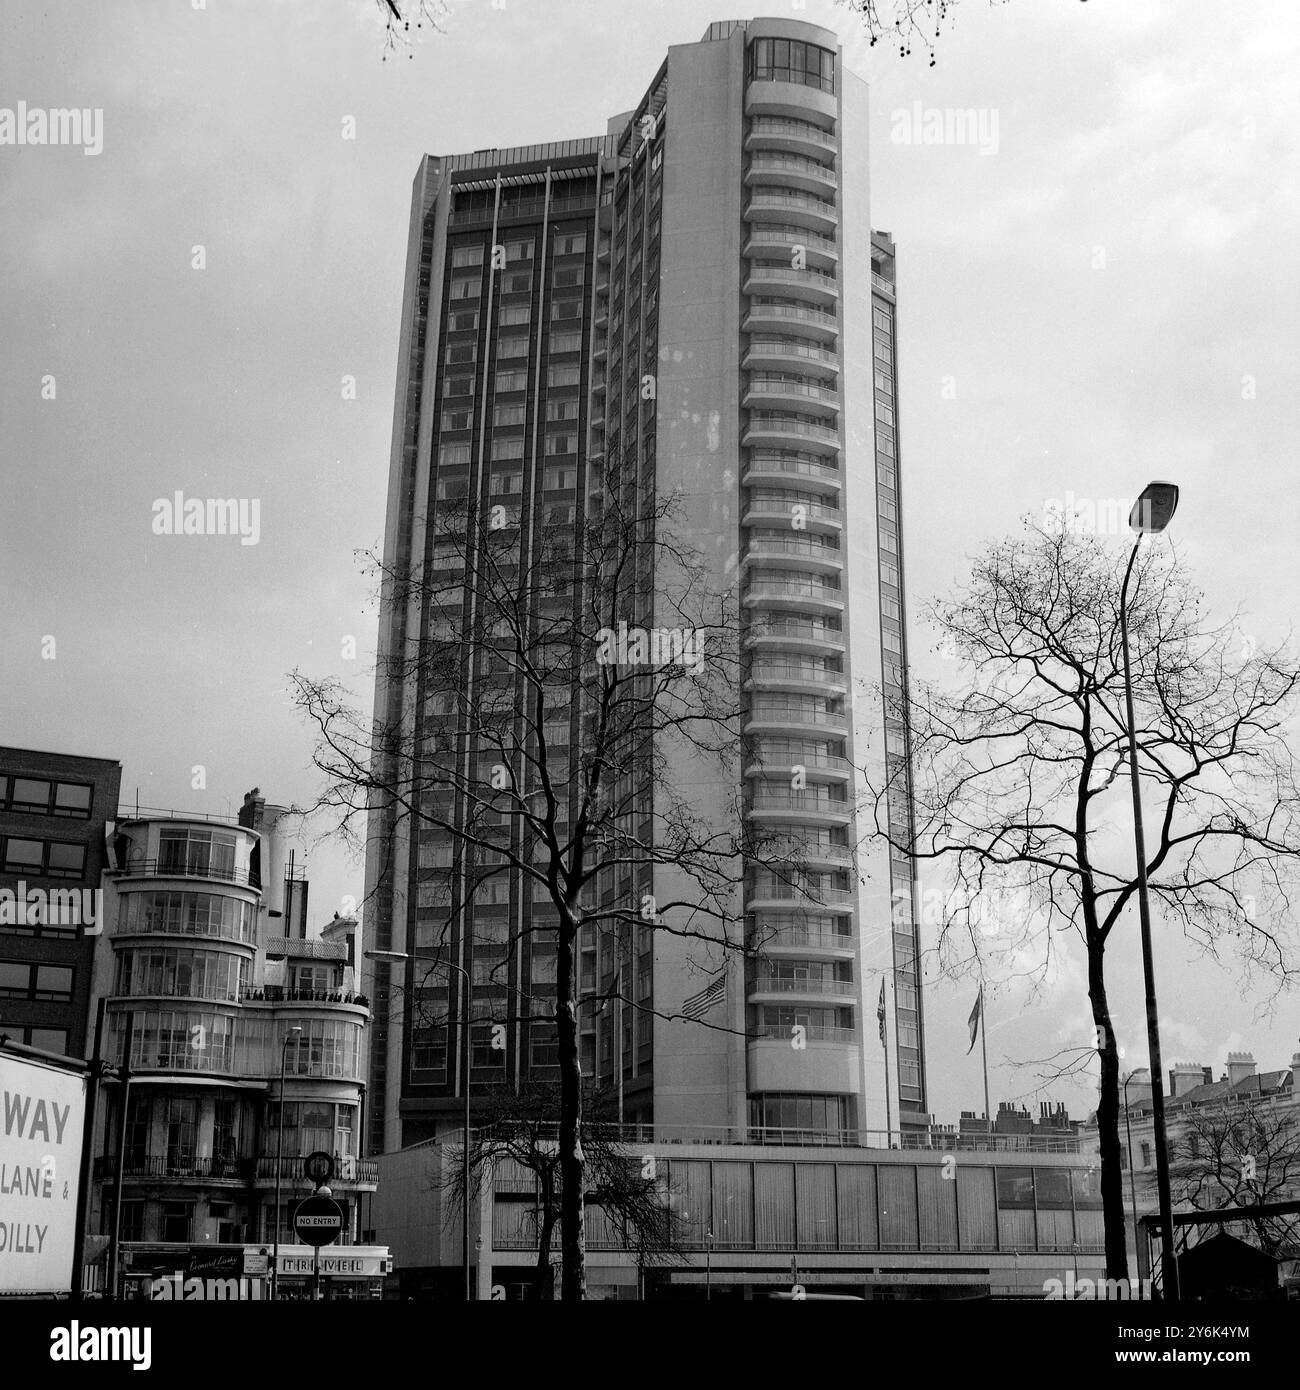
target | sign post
x=318, y=1221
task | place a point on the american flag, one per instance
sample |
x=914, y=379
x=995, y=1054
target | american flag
x=702, y=1002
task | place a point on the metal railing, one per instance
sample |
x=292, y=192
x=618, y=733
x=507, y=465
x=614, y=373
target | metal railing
x=793, y=347
x=792, y=386
x=881, y=283
x=762, y=198
x=782, y=984
x=803, y=130
x=169, y=868
x=255, y=1168
x=792, y=671
x=794, y=312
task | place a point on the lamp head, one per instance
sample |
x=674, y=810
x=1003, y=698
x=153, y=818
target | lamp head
x=1153, y=511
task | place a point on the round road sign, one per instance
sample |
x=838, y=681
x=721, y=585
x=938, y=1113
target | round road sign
x=319, y=1167
x=318, y=1220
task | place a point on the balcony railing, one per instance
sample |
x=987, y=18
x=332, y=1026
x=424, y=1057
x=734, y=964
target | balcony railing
x=803, y=202
x=181, y=868
x=814, y=1032
x=792, y=386
x=803, y=130
x=277, y=994
x=799, y=938
x=881, y=283
x=793, y=671
x=801, y=801
x=765, y=422
x=788, y=275
x=795, y=313
x=794, y=545
x=260, y=1168
x=793, y=347
x=769, y=461
x=782, y=984
x=813, y=897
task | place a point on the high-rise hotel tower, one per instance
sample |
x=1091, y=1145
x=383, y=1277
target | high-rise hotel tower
x=717, y=240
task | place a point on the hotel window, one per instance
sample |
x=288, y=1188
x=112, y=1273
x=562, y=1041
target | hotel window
x=453, y=455
x=505, y=484
x=508, y=414
x=449, y=489
x=458, y=417
x=566, y=308
x=561, y=444
x=458, y=386
x=519, y=250
x=560, y=479
x=467, y=256
x=568, y=242
x=467, y=288
x=566, y=342
x=507, y=447
x=657, y=158
x=512, y=345
x=517, y=282
x=460, y=352
x=44, y=858
x=428, y=1049
x=564, y=375
x=482, y=1053
x=787, y=60
x=563, y=409
x=515, y=314
x=568, y=275
x=461, y=320
x=512, y=381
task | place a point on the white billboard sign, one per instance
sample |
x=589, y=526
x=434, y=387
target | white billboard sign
x=42, y=1109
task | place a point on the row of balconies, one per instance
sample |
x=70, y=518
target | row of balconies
x=258, y=1168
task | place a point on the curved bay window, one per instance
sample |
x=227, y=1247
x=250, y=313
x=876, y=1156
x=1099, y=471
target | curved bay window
x=788, y=60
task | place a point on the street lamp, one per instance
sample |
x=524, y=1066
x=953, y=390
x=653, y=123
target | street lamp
x=1132, y=1180
x=279, y=1163
x=1150, y=515
x=400, y=957
x=708, y=1266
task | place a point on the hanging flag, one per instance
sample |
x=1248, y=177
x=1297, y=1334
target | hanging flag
x=702, y=1002
x=880, y=1014
x=973, y=1022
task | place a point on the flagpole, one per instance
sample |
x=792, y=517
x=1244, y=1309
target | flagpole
x=884, y=1042
x=984, y=1052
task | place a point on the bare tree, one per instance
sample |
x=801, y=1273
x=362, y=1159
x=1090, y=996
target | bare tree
x=1242, y=1153
x=523, y=1127
x=1022, y=792
x=561, y=671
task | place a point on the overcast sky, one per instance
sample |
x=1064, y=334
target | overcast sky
x=1105, y=293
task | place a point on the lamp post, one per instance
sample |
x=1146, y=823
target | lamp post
x=1132, y=1180
x=708, y=1266
x=279, y=1164
x=400, y=957
x=1150, y=515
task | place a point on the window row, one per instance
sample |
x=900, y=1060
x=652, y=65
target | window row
x=28, y=980
x=42, y=858
x=38, y=796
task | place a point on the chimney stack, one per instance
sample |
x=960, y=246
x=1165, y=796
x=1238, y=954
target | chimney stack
x=1240, y=1066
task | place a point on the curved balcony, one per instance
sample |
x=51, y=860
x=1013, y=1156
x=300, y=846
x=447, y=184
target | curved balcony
x=778, y=897
x=780, y=170
x=797, y=592
x=815, y=323
x=767, y=240
x=813, y=854
x=786, y=632
x=147, y=1168
x=793, y=939
x=769, y=390
x=789, y=100
x=788, y=207
x=768, y=989
x=775, y=465
x=187, y=869
x=782, y=763
x=773, y=510
x=823, y=558
x=772, y=429
x=776, y=720
x=769, y=355
x=795, y=676
x=794, y=136
x=816, y=286
x=800, y=807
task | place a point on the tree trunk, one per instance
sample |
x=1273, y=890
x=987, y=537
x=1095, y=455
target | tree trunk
x=1112, y=1176
x=542, y=1289
x=573, y=1272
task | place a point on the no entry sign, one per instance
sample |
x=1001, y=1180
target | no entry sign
x=318, y=1220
